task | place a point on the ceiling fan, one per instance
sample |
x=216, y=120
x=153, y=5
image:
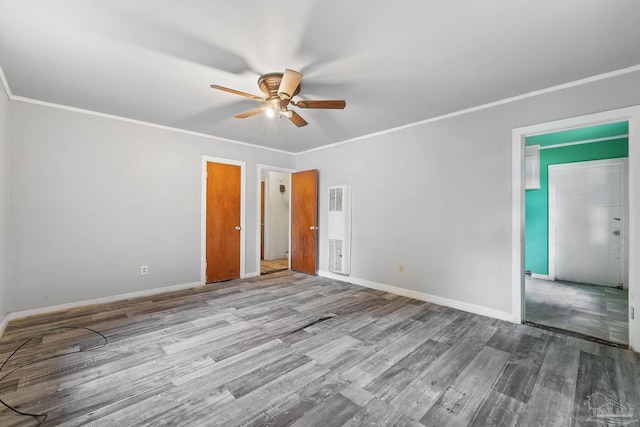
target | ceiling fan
x=279, y=89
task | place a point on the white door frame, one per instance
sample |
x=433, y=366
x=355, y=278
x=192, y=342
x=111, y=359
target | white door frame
x=203, y=214
x=632, y=116
x=262, y=168
x=622, y=161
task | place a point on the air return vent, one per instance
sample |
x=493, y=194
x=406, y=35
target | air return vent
x=339, y=229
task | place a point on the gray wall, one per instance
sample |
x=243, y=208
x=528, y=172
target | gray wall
x=436, y=197
x=4, y=201
x=93, y=199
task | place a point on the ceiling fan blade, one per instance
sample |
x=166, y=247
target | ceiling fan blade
x=249, y=113
x=237, y=92
x=297, y=119
x=329, y=104
x=289, y=84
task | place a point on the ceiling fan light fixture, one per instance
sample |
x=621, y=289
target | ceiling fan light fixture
x=278, y=90
x=289, y=83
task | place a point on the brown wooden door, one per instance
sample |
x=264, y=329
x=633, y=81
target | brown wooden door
x=223, y=222
x=304, y=221
x=262, y=220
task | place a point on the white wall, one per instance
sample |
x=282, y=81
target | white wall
x=4, y=203
x=436, y=197
x=95, y=198
x=276, y=215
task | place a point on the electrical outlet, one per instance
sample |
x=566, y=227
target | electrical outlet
x=144, y=269
x=400, y=269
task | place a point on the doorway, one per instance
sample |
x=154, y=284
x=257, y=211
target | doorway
x=275, y=194
x=301, y=222
x=524, y=276
x=580, y=199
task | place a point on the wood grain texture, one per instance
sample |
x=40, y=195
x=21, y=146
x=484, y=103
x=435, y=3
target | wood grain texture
x=273, y=266
x=291, y=349
x=304, y=220
x=223, y=216
x=597, y=311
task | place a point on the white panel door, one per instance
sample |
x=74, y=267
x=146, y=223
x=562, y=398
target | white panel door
x=586, y=222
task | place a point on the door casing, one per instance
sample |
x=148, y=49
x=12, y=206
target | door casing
x=630, y=115
x=260, y=169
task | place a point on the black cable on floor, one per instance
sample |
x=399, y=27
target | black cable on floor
x=42, y=417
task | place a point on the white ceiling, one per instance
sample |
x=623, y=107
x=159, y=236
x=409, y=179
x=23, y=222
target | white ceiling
x=395, y=63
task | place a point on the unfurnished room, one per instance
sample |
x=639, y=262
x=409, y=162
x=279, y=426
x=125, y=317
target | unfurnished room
x=319, y=213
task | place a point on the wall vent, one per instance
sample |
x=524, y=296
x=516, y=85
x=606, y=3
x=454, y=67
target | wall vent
x=339, y=229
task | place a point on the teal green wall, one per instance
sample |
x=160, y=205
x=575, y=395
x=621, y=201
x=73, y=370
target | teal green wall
x=537, y=201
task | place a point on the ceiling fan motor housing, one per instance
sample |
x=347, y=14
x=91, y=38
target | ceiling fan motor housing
x=270, y=83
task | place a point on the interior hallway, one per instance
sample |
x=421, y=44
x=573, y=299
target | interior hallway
x=596, y=311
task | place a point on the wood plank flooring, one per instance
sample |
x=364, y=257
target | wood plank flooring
x=291, y=349
x=274, y=265
x=596, y=311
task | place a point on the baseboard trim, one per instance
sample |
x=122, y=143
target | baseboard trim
x=458, y=305
x=4, y=324
x=540, y=276
x=273, y=258
x=95, y=301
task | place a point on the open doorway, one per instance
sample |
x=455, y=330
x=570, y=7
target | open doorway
x=275, y=217
x=576, y=256
x=631, y=115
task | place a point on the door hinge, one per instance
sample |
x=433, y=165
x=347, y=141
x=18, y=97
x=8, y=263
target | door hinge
x=632, y=313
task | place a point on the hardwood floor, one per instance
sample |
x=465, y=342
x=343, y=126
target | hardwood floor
x=291, y=349
x=273, y=266
x=596, y=311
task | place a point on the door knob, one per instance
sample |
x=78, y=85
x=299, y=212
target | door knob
x=312, y=228
x=238, y=228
